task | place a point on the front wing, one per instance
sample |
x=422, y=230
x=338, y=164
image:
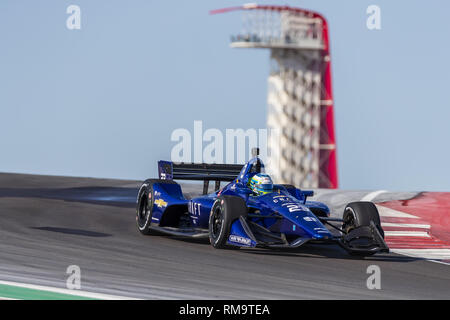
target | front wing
x=362, y=240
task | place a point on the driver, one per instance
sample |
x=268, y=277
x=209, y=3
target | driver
x=260, y=184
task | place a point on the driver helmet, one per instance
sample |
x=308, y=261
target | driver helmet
x=261, y=183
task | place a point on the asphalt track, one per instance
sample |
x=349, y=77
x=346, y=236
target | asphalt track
x=48, y=223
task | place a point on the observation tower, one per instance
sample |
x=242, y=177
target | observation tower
x=300, y=98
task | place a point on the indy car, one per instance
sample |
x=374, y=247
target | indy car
x=236, y=215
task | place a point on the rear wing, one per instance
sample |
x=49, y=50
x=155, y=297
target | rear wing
x=168, y=170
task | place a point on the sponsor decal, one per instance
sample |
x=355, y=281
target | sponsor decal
x=293, y=207
x=309, y=219
x=194, y=208
x=277, y=199
x=160, y=203
x=239, y=239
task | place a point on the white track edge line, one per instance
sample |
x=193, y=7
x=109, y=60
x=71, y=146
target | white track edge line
x=372, y=195
x=78, y=293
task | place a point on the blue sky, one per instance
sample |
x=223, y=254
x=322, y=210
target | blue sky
x=102, y=101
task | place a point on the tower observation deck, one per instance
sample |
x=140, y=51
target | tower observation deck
x=300, y=99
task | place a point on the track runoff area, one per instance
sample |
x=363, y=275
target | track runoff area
x=51, y=222
x=415, y=224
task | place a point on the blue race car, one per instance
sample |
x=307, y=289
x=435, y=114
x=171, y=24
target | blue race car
x=251, y=211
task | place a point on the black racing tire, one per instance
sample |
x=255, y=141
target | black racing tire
x=225, y=210
x=361, y=213
x=144, y=205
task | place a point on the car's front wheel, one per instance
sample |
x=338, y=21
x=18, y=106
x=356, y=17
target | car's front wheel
x=225, y=210
x=361, y=216
x=361, y=213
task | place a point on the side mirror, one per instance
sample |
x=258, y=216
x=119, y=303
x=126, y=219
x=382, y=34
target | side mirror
x=304, y=194
x=308, y=193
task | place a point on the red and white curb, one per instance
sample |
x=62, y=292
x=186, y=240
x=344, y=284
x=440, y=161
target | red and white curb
x=418, y=227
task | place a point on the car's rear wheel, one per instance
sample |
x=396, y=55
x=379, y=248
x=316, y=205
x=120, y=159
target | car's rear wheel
x=144, y=208
x=145, y=201
x=225, y=210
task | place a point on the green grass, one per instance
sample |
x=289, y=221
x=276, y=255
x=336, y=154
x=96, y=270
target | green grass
x=14, y=292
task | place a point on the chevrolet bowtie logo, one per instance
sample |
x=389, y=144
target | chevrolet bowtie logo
x=160, y=203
